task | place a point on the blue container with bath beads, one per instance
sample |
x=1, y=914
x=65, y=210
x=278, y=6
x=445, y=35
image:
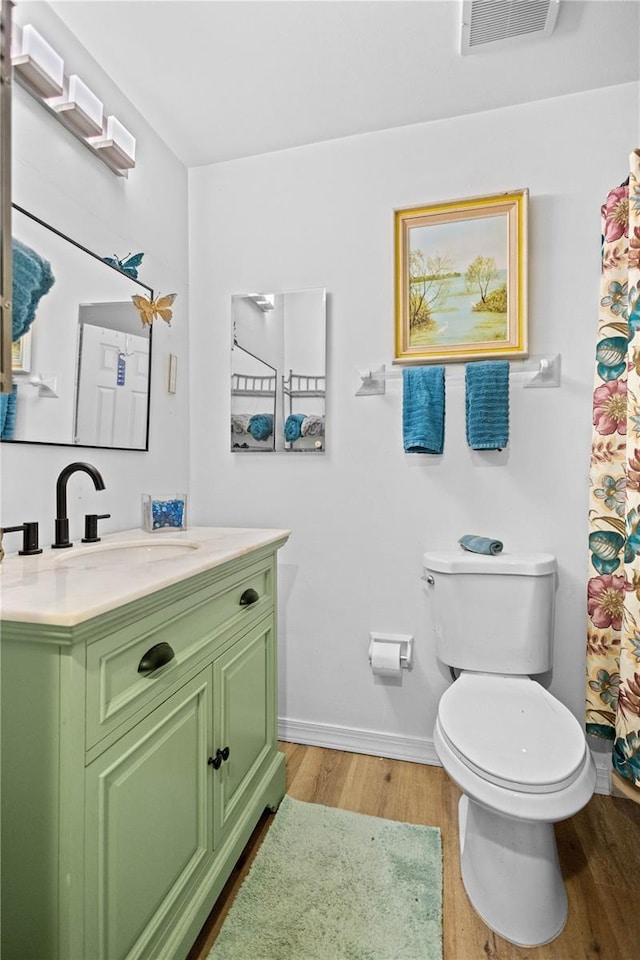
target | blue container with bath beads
x=164, y=512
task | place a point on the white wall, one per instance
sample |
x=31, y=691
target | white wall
x=363, y=513
x=56, y=178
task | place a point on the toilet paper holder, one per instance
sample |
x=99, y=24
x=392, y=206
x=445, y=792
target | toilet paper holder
x=404, y=640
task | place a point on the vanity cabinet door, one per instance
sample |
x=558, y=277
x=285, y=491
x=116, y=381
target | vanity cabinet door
x=148, y=824
x=244, y=686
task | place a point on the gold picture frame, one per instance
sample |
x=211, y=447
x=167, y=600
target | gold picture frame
x=21, y=354
x=461, y=280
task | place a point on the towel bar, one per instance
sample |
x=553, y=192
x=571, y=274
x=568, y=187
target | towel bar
x=539, y=371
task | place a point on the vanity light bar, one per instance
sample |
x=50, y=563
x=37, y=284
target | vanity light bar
x=40, y=70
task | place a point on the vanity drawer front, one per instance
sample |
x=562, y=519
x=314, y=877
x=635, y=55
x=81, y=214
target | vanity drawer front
x=194, y=628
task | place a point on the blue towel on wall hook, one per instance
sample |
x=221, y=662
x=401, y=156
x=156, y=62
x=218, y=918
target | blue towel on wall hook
x=487, y=404
x=423, y=409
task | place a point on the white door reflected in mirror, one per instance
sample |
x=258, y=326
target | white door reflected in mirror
x=113, y=384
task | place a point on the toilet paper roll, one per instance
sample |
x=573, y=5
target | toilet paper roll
x=385, y=659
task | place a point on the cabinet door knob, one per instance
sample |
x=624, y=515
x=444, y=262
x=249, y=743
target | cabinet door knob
x=216, y=762
x=248, y=597
x=156, y=657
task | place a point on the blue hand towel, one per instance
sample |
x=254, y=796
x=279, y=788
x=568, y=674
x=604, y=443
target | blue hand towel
x=480, y=544
x=487, y=404
x=8, y=403
x=293, y=427
x=261, y=426
x=423, y=409
x=32, y=278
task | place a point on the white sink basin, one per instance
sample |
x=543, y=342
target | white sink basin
x=132, y=553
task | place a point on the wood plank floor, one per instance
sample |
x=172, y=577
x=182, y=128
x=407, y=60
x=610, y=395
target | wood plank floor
x=599, y=852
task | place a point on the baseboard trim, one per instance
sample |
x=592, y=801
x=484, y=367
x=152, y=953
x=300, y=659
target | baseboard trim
x=603, y=774
x=379, y=744
x=354, y=740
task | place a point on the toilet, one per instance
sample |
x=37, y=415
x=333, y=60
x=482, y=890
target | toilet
x=518, y=755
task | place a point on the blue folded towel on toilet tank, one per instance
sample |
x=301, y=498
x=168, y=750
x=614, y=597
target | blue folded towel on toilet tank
x=475, y=544
x=32, y=278
x=423, y=409
x=487, y=404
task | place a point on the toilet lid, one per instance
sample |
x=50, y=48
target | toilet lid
x=512, y=731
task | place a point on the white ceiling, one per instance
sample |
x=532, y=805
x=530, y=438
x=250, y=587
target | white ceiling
x=221, y=79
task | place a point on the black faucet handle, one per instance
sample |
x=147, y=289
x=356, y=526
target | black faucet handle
x=91, y=526
x=29, y=531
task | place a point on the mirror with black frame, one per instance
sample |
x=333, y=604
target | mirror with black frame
x=278, y=372
x=82, y=369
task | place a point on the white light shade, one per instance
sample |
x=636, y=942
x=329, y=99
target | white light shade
x=79, y=108
x=38, y=64
x=266, y=301
x=121, y=137
x=117, y=146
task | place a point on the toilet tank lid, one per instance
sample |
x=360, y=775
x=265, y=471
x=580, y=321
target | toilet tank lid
x=462, y=561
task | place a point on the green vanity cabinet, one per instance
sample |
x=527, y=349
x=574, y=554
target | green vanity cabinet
x=148, y=823
x=127, y=798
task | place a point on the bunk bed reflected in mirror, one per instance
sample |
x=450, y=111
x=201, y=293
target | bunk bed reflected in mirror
x=279, y=352
x=303, y=397
x=253, y=403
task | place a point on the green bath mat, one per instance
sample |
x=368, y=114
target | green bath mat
x=328, y=884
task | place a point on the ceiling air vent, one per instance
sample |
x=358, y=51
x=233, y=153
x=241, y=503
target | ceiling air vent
x=487, y=22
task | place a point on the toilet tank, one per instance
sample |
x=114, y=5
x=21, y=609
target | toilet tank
x=492, y=613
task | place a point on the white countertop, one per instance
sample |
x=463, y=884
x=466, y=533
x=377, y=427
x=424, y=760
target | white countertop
x=51, y=588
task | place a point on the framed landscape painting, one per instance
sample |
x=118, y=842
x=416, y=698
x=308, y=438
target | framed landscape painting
x=461, y=280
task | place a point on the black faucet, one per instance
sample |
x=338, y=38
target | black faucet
x=62, y=521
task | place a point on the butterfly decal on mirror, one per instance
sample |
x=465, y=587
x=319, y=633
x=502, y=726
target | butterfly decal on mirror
x=151, y=310
x=128, y=265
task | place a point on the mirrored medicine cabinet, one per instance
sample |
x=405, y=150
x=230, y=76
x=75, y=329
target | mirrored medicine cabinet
x=82, y=370
x=278, y=372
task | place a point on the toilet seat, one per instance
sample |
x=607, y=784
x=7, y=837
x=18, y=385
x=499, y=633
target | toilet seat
x=512, y=732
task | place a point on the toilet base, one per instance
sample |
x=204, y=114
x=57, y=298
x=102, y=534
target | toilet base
x=511, y=873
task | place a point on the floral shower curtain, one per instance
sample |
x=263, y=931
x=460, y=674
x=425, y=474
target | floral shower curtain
x=613, y=633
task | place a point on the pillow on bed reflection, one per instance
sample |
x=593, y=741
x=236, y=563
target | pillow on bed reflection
x=312, y=427
x=261, y=426
x=240, y=422
x=293, y=427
